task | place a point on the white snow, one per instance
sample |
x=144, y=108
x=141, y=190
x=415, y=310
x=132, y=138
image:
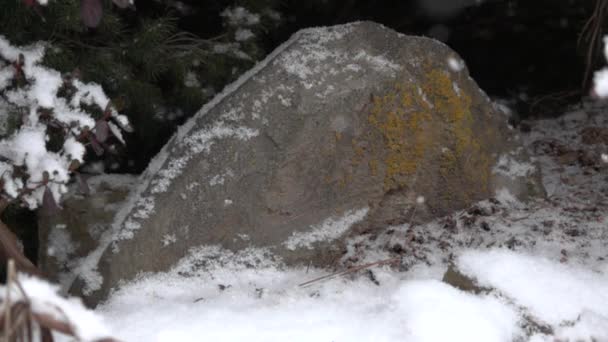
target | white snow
x=242, y=35
x=168, y=239
x=439, y=312
x=379, y=62
x=552, y=292
x=328, y=230
x=314, y=63
x=600, y=81
x=455, y=64
x=510, y=167
x=191, y=80
x=229, y=300
x=240, y=16
x=60, y=245
x=600, y=78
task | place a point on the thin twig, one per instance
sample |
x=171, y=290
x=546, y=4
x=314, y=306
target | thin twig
x=591, y=35
x=350, y=270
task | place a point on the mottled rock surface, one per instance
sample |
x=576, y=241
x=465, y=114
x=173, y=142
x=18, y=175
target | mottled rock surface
x=338, y=131
x=74, y=232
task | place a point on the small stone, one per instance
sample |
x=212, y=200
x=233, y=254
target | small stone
x=485, y=226
x=398, y=249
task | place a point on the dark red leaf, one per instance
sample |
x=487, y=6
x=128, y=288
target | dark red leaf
x=47, y=335
x=101, y=130
x=91, y=12
x=96, y=145
x=83, y=185
x=49, y=205
x=29, y=3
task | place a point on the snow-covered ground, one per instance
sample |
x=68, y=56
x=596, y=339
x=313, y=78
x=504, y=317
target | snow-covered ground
x=499, y=271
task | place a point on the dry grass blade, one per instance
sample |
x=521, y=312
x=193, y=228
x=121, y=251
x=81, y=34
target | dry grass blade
x=351, y=270
x=591, y=36
x=20, y=323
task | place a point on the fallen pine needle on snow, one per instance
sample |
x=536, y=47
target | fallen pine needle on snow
x=350, y=270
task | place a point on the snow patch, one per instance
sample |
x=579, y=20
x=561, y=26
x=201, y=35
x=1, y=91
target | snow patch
x=442, y=313
x=455, y=64
x=168, y=239
x=309, y=61
x=553, y=293
x=60, y=244
x=378, y=63
x=242, y=35
x=330, y=229
x=513, y=168
x=215, y=294
x=505, y=196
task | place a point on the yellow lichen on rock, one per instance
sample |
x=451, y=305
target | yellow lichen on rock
x=413, y=122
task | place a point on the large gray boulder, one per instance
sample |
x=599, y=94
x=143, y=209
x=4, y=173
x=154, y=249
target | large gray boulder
x=339, y=130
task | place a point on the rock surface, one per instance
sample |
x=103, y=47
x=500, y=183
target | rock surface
x=73, y=232
x=340, y=130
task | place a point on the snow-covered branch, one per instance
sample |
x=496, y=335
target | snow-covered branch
x=55, y=121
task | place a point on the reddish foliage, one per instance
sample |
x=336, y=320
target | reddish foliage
x=91, y=12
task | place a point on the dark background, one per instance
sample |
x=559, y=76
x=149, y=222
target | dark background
x=523, y=50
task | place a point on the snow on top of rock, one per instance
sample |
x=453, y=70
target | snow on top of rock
x=455, y=64
x=203, y=139
x=198, y=142
x=313, y=57
x=378, y=63
x=505, y=196
x=221, y=178
x=330, y=229
x=511, y=167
